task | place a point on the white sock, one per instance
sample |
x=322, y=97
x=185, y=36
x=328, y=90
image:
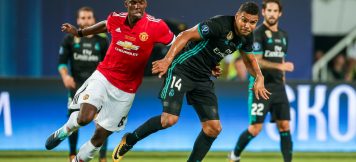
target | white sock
x=86, y=152
x=233, y=156
x=72, y=123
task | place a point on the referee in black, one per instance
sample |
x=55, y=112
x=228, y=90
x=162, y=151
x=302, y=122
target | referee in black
x=270, y=48
x=78, y=59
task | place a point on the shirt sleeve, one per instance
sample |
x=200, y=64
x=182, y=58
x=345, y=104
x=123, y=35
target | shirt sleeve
x=210, y=28
x=286, y=42
x=247, y=44
x=64, y=52
x=109, y=22
x=104, y=43
x=258, y=43
x=165, y=35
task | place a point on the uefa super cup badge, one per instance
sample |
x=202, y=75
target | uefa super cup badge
x=143, y=36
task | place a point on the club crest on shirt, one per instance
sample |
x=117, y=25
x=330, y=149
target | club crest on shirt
x=268, y=33
x=143, y=36
x=76, y=40
x=230, y=36
x=85, y=97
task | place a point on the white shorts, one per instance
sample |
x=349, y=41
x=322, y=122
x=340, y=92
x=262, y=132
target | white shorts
x=112, y=103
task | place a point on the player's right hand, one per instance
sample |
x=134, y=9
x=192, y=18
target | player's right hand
x=288, y=66
x=160, y=67
x=69, y=28
x=69, y=82
x=259, y=89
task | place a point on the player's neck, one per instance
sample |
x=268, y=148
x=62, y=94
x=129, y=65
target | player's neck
x=273, y=28
x=131, y=21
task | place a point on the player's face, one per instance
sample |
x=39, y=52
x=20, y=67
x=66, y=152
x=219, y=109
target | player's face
x=271, y=13
x=136, y=8
x=245, y=23
x=85, y=19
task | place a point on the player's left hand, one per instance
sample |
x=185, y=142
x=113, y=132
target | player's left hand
x=216, y=72
x=259, y=88
x=160, y=67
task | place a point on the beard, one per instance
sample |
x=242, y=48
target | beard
x=81, y=26
x=272, y=22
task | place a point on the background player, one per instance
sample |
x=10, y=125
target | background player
x=191, y=58
x=83, y=55
x=270, y=48
x=110, y=90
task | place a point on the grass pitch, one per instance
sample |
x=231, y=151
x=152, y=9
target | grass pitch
x=49, y=156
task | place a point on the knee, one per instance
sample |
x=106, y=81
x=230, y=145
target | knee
x=84, y=120
x=212, y=129
x=168, y=120
x=86, y=114
x=255, y=129
x=283, y=126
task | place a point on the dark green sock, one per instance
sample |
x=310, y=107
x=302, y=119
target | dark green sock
x=150, y=126
x=201, y=146
x=243, y=141
x=103, y=149
x=73, y=140
x=286, y=146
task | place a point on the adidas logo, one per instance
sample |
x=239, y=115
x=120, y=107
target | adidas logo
x=118, y=30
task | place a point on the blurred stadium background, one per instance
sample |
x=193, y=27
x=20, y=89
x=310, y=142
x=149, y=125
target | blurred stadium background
x=322, y=36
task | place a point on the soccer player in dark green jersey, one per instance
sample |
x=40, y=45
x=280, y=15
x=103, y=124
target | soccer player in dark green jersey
x=270, y=48
x=188, y=67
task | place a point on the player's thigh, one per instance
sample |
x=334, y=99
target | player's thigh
x=92, y=92
x=114, y=112
x=172, y=92
x=257, y=109
x=280, y=107
x=204, y=101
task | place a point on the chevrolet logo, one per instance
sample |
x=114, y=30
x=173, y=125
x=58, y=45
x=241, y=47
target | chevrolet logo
x=127, y=45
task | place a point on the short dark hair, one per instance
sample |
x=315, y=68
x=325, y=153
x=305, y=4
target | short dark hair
x=278, y=2
x=250, y=8
x=85, y=8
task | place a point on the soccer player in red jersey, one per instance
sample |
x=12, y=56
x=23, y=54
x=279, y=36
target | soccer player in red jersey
x=110, y=90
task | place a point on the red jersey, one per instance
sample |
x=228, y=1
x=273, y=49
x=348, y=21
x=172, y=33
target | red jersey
x=130, y=49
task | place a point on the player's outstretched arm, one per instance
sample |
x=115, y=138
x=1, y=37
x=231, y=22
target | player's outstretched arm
x=284, y=66
x=97, y=28
x=253, y=68
x=160, y=67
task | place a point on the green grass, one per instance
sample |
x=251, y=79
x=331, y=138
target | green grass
x=49, y=156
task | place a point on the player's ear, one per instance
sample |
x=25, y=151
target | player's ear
x=78, y=23
x=280, y=14
x=126, y=3
x=263, y=12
